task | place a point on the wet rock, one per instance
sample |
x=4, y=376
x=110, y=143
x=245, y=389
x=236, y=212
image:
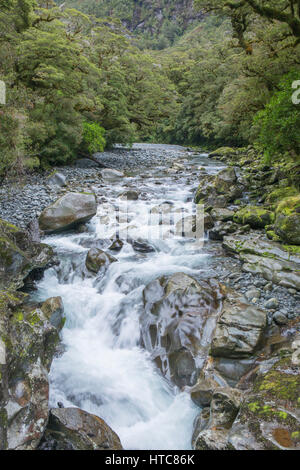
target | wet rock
x=97, y=260
x=177, y=324
x=256, y=217
x=53, y=309
x=116, y=245
x=130, y=195
x=239, y=330
x=67, y=212
x=75, y=429
x=141, y=246
x=28, y=344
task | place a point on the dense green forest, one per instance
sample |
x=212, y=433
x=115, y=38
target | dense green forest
x=77, y=83
x=155, y=24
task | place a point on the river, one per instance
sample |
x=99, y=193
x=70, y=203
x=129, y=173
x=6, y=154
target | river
x=102, y=367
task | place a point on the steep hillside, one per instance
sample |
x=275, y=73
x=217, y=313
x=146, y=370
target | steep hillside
x=157, y=22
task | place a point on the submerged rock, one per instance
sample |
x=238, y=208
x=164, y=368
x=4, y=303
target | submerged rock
x=75, y=429
x=67, y=212
x=177, y=324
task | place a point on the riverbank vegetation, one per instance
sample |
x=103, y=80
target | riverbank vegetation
x=77, y=82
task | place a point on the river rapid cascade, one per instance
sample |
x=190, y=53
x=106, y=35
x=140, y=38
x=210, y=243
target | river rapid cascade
x=103, y=367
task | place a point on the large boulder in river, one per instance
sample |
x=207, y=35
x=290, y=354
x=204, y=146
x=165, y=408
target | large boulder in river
x=28, y=343
x=97, y=260
x=240, y=329
x=177, y=324
x=75, y=429
x=20, y=255
x=67, y=212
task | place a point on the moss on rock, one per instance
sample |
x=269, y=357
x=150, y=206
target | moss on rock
x=256, y=217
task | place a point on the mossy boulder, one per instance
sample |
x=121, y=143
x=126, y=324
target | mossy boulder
x=281, y=193
x=97, y=260
x=287, y=224
x=28, y=343
x=269, y=416
x=219, y=190
x=68, y=212
x=19, y=255
x=226, y=152
x=256, y=217
x=75, y=429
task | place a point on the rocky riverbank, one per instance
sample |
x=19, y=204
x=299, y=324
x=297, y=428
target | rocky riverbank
x=239, y=360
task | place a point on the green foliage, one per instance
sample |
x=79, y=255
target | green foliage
x=279, y=122
x=93, y=138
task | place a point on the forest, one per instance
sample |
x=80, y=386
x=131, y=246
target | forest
x=78, y=82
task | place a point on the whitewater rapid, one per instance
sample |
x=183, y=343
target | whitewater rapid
x=102, y=368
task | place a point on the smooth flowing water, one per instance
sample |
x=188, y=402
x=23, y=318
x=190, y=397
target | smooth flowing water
x=103, y=369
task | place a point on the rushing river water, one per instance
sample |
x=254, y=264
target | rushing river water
x=103, y=369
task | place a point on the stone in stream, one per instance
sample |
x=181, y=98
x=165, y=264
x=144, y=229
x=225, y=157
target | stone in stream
x=177, y=324
x=53, y=309
x=75, y=429
x=97, y=260
x=67, y=212
x=130, y=195
x=109, y=174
